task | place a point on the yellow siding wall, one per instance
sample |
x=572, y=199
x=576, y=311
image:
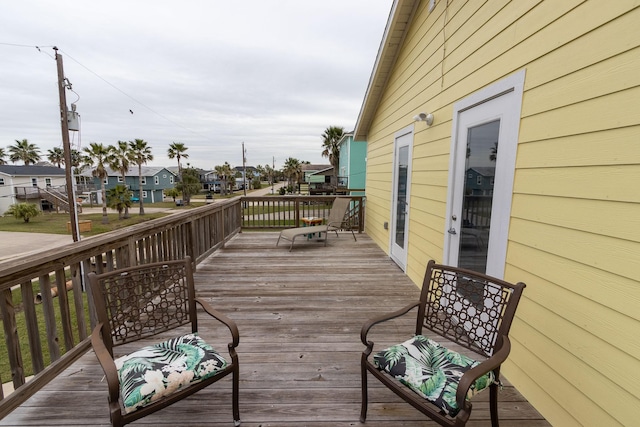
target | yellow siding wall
x=575, y=227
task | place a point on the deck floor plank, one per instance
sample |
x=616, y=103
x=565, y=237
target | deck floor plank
x=299, y=314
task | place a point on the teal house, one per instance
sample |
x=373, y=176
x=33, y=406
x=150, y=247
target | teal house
x=352, y=169
x=154, y=181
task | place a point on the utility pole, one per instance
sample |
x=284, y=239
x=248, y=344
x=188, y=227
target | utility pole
x=67, y=149
x=273, y=173
x=244, y=170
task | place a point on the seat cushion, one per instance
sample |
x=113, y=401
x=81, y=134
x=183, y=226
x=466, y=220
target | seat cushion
x=431, y=370
x=158, y=370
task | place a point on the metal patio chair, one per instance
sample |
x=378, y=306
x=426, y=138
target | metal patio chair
x=460, y=341
x=153, y=299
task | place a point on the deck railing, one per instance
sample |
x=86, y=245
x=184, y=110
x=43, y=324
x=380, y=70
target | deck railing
x=52, y=283
x=269, y=212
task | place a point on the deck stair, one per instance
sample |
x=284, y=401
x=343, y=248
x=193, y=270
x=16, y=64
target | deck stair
x=57, y=198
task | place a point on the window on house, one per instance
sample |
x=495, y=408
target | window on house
x=47, y=182
x=164, y=175
x=144, y=180
x=120, y=179
x=1, y=181
x=34, y=182
x=156, y=180
x=171, y=180
x=144, y=194
x=106, y=180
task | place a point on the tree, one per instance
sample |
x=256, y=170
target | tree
x=98, y=155
x=494, y=152
x=24, y=151
x=26, y=211
x=119, y=198
x=119, y=160
x=224, y=173
x=2, y=156
x=141, y=154
x=178, y=150
x=190, y=184
x=56, y=156
x=331, y=148
x=172, y=192
x=292, y=170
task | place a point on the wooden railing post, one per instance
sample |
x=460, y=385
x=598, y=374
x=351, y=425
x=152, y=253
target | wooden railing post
x=11, y=337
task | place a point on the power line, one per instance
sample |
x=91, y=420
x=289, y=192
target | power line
x=132, y=98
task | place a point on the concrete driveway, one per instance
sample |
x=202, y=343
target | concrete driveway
x=14, y=244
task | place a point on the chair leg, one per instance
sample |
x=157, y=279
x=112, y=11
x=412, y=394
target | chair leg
x=235, y=397
x=365, y=396
x=493, y=404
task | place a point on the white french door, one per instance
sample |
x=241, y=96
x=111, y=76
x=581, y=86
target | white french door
x=481, y=173
x=403, y=147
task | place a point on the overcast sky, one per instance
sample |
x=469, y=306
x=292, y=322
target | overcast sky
x=212, y=74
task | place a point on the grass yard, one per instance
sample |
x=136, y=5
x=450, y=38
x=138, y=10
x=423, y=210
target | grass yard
x=56, y=223
x=5, y=369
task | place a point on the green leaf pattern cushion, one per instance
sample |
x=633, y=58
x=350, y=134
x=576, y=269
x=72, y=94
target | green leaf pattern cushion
x=158, y=370
x=431, y=370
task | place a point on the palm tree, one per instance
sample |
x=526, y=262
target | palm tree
x=292, y=170
x=178, y=150
x=56, y=156
x=224, y=172
x=119, y=160
x=119, y=198
x=494, y=152
x=24, y=151
x=98, y=155
x=2, y=154
x=141, y=154
x=331, y=148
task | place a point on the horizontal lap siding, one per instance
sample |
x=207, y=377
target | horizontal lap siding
x=575, y=227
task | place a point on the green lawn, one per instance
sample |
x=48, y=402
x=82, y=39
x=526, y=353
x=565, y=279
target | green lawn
x=5, y=369
x=56, y=223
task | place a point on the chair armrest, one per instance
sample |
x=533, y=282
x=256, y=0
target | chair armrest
x=493, y=362
x=106, y=362
x=222, y=319
x=388, y=316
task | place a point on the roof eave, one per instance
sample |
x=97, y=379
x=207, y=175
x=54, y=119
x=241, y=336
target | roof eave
x=400, y=17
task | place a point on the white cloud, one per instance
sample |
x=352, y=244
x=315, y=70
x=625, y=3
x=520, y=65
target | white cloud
x=211, y=74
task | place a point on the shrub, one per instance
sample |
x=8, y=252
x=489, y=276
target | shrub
x=26, y=211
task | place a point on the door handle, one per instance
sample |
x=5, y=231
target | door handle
x=452, y=231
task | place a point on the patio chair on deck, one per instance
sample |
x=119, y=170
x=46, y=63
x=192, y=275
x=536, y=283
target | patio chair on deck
x=147, y=300
x=465, y=318
x=335, y=222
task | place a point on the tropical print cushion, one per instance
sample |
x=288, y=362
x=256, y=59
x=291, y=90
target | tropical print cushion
x=431, y=370
x=160, y=369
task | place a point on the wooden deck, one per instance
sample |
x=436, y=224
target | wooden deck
x=299, y=314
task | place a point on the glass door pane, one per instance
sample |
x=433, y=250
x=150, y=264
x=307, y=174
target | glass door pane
x=401, y=195
x=480, y=167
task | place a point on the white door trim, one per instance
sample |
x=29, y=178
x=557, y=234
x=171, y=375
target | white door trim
x=514, y=86
x=400, y=258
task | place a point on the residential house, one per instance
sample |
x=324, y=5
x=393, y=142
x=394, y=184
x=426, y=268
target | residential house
x=352, y=166
x=23, y=184
x=555, y=85
x=316, y=177
x=155, y=180
x=251, y=175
